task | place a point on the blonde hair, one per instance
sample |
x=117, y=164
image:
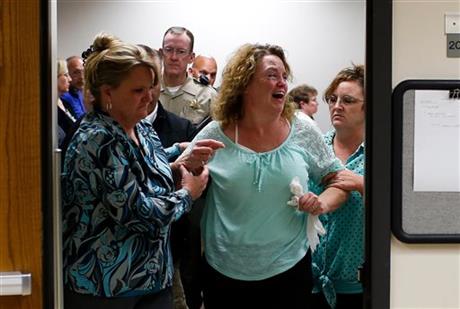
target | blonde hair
x=108, y=62
x=235, y=78
x=61, y=67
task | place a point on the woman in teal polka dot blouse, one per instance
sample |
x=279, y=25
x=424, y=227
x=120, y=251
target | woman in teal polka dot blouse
x=340, y=253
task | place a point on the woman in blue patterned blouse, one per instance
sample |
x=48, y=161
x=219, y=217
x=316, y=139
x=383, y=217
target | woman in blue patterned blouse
x=340, y=254
x=119, y=195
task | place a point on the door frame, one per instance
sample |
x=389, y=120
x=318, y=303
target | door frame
x=376, y=272
x=46, y=136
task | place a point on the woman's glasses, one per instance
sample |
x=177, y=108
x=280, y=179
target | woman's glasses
x=345, y=100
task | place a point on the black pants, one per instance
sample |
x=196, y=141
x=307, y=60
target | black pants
x=190, y=264
x=186, y=249
x=160, y=300
x=343, y=301
x=290, y=289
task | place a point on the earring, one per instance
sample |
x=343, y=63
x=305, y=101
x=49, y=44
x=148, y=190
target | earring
x=108, y=106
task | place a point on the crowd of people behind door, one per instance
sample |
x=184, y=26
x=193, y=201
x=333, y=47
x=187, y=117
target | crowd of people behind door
x=175, y=193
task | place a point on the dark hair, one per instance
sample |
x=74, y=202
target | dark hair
x=353, y=73
x=178, y=31
x=302, y=93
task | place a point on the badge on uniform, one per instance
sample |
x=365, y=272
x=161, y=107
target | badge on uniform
x=194, y=104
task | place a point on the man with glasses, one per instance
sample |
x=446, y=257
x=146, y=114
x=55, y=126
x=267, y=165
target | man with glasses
x=191, y=99
x=182, y=94
x=73, y=99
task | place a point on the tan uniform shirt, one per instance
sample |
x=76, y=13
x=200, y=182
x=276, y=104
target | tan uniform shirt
x=192, y=101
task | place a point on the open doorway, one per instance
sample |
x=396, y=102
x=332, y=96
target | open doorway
x=303, y=28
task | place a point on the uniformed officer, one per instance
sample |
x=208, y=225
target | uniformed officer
x=182, y=94
x=191, y=99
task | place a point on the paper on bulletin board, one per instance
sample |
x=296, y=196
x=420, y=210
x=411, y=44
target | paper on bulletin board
x=436, y=142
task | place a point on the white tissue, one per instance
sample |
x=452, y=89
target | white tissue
x=314, y=225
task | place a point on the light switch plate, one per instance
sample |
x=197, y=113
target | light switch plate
x=452, y=22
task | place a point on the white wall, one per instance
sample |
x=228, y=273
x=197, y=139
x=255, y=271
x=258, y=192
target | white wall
x=423, y=276
x=320, y=38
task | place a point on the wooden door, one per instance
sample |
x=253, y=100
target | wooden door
x=20, y=162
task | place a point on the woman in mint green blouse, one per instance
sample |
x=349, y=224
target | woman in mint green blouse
x=255, y=245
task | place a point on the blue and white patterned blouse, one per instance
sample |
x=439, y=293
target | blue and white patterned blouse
x=118, y=202
x=340, y=252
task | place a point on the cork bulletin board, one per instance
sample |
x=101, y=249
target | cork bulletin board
x=426, y=161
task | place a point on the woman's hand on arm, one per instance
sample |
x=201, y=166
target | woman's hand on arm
x=329, y=200
x=348, y=181
x=183, y=146
x=198, y=156
x=195, y=185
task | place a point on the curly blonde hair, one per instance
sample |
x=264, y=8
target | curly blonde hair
x=235, y=78
x=108, y=62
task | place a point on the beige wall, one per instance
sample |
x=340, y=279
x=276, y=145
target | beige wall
x=423, y=276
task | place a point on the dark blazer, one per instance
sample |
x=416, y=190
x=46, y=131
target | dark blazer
x=172, y=128
x=66, y=125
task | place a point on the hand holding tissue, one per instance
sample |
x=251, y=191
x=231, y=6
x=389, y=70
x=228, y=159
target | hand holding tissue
x=314, y=226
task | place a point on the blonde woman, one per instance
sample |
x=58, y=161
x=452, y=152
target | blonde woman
x=66, y=120
x=119, y=195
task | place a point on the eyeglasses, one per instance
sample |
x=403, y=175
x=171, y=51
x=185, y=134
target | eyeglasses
x=345, y=100
x=180, y=52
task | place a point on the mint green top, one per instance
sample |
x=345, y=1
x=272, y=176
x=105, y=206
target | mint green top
x=249, y=231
